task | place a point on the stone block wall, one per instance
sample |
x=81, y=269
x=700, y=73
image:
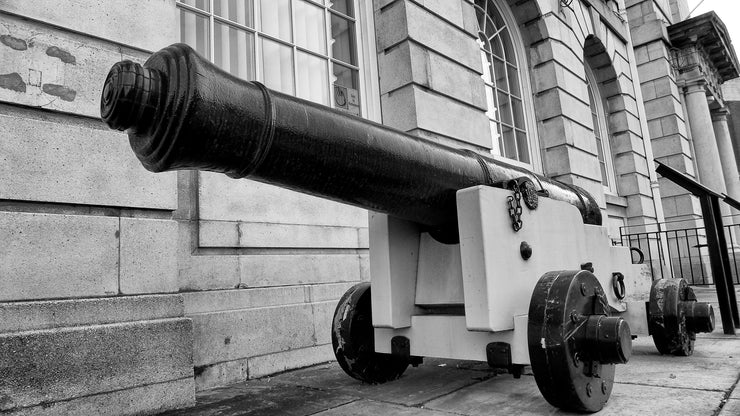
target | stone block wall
x=254, y=271
x=431, y=79
x=430, y=71
x=261, y=270
x=583, y=34
x=90, y=318
x=112, y=355
x=667, y=120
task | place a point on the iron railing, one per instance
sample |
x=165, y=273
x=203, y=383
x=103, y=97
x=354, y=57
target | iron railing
x=688, y=254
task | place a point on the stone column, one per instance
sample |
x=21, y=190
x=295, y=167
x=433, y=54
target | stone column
x=726, y=154
x=707, y=156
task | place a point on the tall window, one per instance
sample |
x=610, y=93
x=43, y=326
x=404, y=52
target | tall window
x=307, y=48
x=601, y=132
x=501, y=73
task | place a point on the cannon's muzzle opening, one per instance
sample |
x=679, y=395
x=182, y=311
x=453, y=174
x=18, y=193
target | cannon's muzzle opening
x=130, y=97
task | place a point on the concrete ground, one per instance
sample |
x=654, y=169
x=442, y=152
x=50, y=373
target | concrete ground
x=650, y=384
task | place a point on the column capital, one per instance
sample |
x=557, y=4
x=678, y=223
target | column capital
x=720, y=114
x=694, y=86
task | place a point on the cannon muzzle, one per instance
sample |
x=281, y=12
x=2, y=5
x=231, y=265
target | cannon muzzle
x=182, y=112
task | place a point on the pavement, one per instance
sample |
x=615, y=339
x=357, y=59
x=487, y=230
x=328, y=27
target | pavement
x=650, y=384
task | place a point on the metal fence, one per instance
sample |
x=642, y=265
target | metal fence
x=687, y=252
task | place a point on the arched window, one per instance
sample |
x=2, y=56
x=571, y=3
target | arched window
x=506, y=89
x=601, y=132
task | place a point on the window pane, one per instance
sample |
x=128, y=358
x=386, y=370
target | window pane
x=240, y=11
x=312, y=79
x=496, y=47
x=499, y=74
x=518, y=109
x=343, y=6
x=508, y=47
x=491, y=28
x=200, y=4
x=491, y=113
x=498, y=144
x=195, y=32
x=504, y=108
x=234, y=51
x=486, y=66
x=346, y=89
x=346, y=77
x=498, y=20
x=604, y=177
x=343, y=36
x=523, y=146
x=275, y=18
x=310, y=29
x=277, y=66
x=591, y=100
x=509, y=143
x=514, y=87
x=481, y=20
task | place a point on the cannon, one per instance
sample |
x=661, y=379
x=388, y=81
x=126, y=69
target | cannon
x=470, y=257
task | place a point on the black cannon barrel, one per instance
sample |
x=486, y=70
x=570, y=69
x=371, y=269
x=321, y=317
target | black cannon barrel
x=182, y=112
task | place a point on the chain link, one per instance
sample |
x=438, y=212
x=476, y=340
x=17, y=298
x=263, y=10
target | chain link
x=515, y=207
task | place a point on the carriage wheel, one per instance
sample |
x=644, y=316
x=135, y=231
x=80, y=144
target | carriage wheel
x=573, y=342
x=354, y=342
x=675, y=317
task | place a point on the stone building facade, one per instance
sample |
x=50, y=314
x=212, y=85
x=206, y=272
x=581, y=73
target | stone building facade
x=683, y=64
x=122, y=289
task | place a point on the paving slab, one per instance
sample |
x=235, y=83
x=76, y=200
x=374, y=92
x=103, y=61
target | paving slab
x=714, y=366
x=652, y=384
x=706, y=346
x=721, y=346
x=630, y=399
x=375, y=408
x=499, y=395
x=718, y=334
x=709, y=294
x=454, y=387
x=505, y=396
x=718, y=330
x=261, y=398
x=731, y=408
x=416, y=386
x=735, y=393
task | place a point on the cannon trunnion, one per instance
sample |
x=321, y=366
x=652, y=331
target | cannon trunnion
x=470, y=257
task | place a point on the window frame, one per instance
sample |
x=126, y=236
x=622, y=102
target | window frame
x=366, y=61
x=524, y=77
x=602, y=117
